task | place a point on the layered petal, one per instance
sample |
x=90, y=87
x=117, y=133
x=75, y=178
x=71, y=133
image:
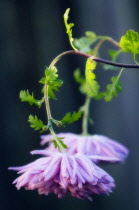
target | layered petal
x=61, y=174
x=106, y=149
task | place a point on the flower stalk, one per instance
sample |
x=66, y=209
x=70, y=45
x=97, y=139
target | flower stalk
x=85, y=110
x=97, y=59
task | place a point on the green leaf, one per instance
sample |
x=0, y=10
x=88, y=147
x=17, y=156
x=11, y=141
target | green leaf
x=70, y=118
x=37, y=124
x=100, y=95
x=51, y=93
x=25, y=96
x=92, y=86
x=59, y=143
x=109, y=67
x=113, y=88
x=78, y=78
x=130, y=43
x=81, y=80
x=84, y=43
x=51, y=79
x=69, y=28
x=51, y=74
x=114, y=54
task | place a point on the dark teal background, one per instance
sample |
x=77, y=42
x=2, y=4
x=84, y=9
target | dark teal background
x=32, y=33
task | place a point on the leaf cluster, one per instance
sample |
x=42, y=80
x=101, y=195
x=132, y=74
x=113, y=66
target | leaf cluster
x=84, y=43
x=51, y=79
x=90, y=85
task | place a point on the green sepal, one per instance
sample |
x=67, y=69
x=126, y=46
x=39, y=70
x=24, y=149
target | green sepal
x=59, y=141
x=25, y=96
x=92, y=86
x=37, y=124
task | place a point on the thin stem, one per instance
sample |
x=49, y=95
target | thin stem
x=100, y=60
x=49, y=116
x=113, y=42
x=102, y=40
x=99, y=44
x=85, y=109
x=47, y=102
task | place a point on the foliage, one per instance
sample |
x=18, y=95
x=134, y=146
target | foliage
x=90, y=44
x=69, y=28
x=92, y=86
x=130, y=43
x=113, y=88
x=25, y=96
x=51, y=79
x=37, y=124
x=59, y=141
x=70, y=118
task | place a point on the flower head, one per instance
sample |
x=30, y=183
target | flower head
x=99, y=145
x=62, y=174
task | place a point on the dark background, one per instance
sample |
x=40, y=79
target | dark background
x=32, y=33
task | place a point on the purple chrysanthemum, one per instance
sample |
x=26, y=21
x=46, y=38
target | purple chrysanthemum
x=91, y=145
x=62, y=174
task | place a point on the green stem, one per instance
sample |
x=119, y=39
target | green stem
x=113, y=42
x=102, y=40
x=49, y=116
x=47, y=102
x=85, y=109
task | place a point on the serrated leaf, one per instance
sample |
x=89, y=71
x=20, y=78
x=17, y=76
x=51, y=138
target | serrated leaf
x=114, y=54
x=100, y=95
x=51, y=93
x=70, y=118
x=92, y=86
x=51, y=73
x=51, y=79
x=36, y=123
x=25, y=96
x=69, y=28
x=84, y=43
x=130, y=43
x=113, y=88
x=78, y=77
x=81, y=80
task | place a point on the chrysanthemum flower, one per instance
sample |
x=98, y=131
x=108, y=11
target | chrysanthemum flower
x=90, y=145
x=62, y=174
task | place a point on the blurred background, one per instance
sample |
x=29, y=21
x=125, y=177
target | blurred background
x=32, y=33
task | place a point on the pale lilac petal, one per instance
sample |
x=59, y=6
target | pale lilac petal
x=106, y=149
x=61, y=174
